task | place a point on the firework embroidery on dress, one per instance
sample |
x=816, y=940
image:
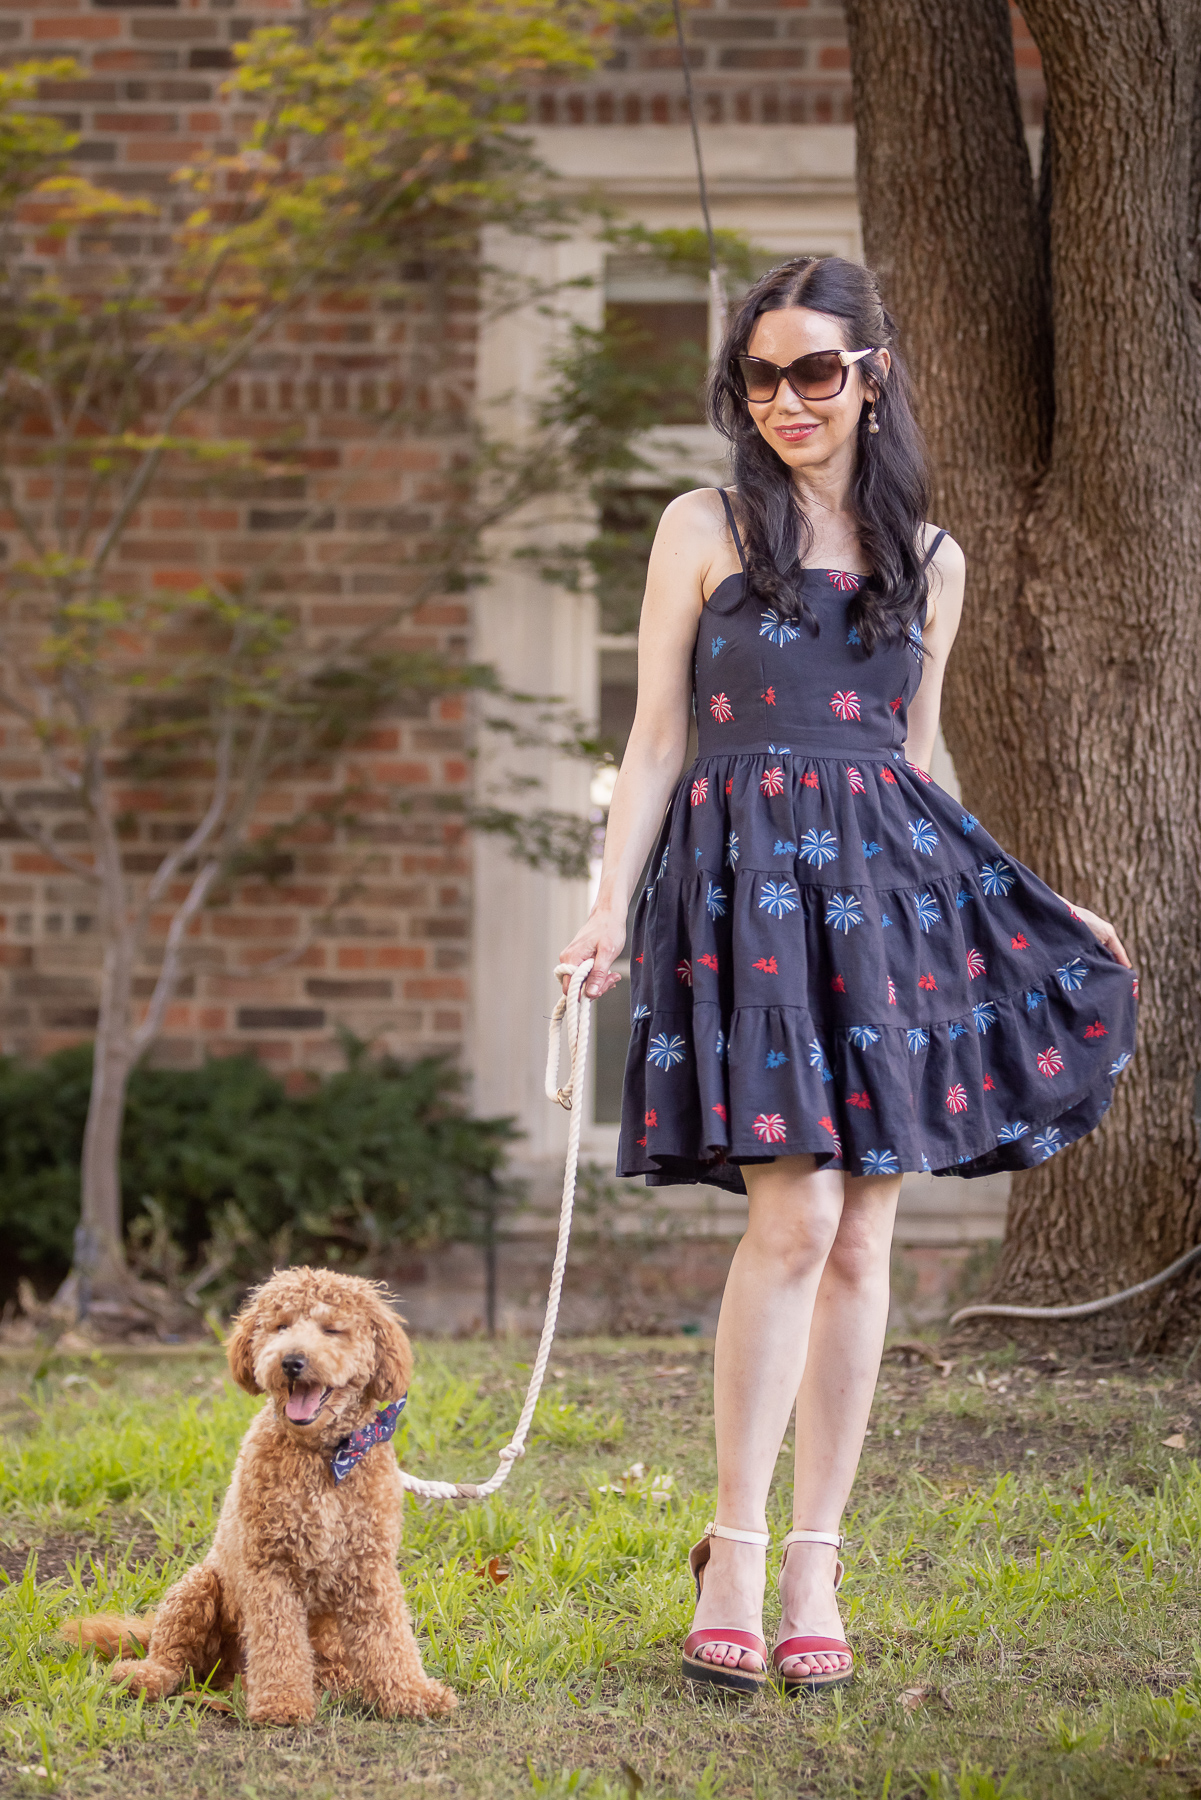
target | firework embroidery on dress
x=887, y=775
x=716, y=644
x=665, y=1052
x=771, y=782
x=925, y=1163
x=707, y=962
x=870, y=850
x=732, y=848
x=892, y=991
x=962, y=898
x=1009, y=1134
x=827, y=1124
x=956, y=1030
x=1049, y=1062
x=881, y=1162
x=640, y=1012
x=853, y=636
x=844, y=581
x=684, y=973
x=1020, y=942
x=917, y=1038
x=845, y=704
x=770, y=1128
x=697, y=853
x=924, y=836
x=819, y=847
x=916, y=769
x=768, y=696
x=915, y=639
x=778, y=898
x=1095, y=1030
x=767, y=964
x=715, y=901
x=1121, y=1062
x=975, y=964
x=863, y=1101
x=838, y=985
x=996, y=878
x=776, y=629
x=984, y=1015
x=989, y=1084
x=776, y=1059
x=1071, y=975
x=855, y=780
x=928, y=982
x=968, y=824
x=928, y=910
x=719, y=706
x=957, y=1097
x=843, y=911
x=863, y=1036
x=885, y=920
x=700, y=790
x=817, y=1060
x=783, y=847
x=719, y=1046
x=719, y=1109
x=1048, y=1142
x=650, y=1118
x=781, y=750
x=662, y=866
x=809, y=780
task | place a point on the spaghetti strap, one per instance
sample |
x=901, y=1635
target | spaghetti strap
x=725, y=500
x=929, y=556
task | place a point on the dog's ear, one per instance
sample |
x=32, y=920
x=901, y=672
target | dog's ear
x=239, y=1346
x=393, y=1355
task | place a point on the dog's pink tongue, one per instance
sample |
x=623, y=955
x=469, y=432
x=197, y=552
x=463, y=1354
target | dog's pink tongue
x=303, y=1402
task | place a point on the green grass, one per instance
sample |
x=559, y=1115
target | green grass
x=1020, y=1588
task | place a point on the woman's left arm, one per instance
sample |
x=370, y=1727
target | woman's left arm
x=942, y=623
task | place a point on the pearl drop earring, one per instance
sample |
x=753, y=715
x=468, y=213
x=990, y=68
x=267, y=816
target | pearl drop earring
x=873, y=424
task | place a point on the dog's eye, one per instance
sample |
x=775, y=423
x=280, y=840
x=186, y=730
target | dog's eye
x=333, y=1331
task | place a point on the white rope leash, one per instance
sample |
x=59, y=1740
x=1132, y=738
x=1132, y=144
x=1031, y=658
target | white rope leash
x=575, y=1008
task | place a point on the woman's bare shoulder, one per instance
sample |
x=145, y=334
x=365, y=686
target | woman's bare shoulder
x=948, y=559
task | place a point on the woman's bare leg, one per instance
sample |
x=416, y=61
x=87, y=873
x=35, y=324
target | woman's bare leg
x=758, y=1362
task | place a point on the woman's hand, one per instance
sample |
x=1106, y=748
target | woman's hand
x=601, y=938
x=1101, y=929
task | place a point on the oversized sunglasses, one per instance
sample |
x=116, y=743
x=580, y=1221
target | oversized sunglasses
x=821, y=375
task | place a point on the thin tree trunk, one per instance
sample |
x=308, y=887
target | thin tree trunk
x=1055, y=352
x=100, y=1265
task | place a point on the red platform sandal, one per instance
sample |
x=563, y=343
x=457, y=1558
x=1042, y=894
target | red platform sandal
x=738, y=1681
x=812, y=1646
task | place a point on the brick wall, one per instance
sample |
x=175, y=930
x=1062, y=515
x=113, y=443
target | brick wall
x=391, y=964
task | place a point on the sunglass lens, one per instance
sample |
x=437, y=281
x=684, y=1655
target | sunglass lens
x=759, y=379
x=817, y=377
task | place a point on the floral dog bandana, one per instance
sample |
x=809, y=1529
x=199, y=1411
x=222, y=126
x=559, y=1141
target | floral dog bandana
x=354, y=1448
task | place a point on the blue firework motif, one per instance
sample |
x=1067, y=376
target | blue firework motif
x=915, y=639
x=870, y=850
x=962, y=898
x=928, y=910
x=984, y=1014
x=1071, y=975
x=862, y=1036
x=925, y=1162
x=843, y=911
x=776, y=629
x=956, y=1030
x=1009, y=1134
x=640, y=1012
x=779, y=749
x=853, y=636
x=715, y=901
x=696, y=855
x=776, y=1059
x=1034, y=999
x=881, y=1162
x=885, y=920
x=817, y=1060
x=732, y=848
x=819, y=847
x=917, y=1037
x=924, y=836
x=665, y=1052
x=720, y=1046
x=1048, y=1142
x=968, y=824
x=997, y=878
x=662, y=866
x=783, y=847
x=778, y=898
x=718, y=643
x=1122, y=1062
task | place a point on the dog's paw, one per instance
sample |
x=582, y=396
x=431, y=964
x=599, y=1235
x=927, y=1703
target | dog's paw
x=435, y=1700
x=145, y=1677
x=281, y=1709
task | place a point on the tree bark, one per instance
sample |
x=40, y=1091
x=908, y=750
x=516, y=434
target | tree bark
x=99, y=1264
x=1054, y=342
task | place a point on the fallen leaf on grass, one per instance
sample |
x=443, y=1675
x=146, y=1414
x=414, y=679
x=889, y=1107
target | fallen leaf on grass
x=633, y=1780
x=913, y=1697
x=683, y=1369
x=494, y=1570
x=925, y=1352
x=1175, y=1442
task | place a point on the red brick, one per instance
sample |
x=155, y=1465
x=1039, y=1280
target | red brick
x=436, y=987
x=60, y=30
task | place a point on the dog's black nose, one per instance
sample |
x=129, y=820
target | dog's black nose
x=293, y=1366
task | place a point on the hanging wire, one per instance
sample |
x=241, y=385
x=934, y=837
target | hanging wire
x=717, y=293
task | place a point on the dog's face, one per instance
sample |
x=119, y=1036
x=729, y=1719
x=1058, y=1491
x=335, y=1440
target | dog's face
x=325, y=1347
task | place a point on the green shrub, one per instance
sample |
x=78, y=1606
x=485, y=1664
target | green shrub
x=241, y=1172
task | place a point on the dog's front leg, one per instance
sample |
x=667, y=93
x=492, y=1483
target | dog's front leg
x=279, y=1656
x=377, y=1637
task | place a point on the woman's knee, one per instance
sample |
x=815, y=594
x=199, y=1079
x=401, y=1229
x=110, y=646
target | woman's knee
x=862, y=1248
x=793, y=1240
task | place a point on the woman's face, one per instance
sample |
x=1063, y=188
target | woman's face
x=807, y=433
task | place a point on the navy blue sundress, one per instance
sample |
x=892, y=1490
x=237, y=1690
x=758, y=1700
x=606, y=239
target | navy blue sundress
x=831, y=956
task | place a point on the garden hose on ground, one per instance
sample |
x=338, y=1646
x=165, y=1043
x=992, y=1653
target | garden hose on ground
x=1085, y=1307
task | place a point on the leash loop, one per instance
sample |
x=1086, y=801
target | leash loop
x=574, y=1008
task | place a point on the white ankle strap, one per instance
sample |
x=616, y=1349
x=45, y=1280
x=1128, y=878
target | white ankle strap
x=739, y=1537
x=833, y=1538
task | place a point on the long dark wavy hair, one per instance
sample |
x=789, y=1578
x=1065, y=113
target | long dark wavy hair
x=889, y=492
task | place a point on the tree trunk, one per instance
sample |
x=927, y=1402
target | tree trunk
x=100, y=1268
x=1054, y=343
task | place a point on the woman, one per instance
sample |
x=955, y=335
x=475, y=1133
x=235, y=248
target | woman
x=837, y=974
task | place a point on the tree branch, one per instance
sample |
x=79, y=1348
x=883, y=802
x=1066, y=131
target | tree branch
x=37, y=835
x=168, y=976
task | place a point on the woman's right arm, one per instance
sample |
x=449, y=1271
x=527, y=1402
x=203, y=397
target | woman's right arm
x=687, y=543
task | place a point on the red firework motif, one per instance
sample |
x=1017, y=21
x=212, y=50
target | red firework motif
x=845, y=704
x=652, y=1118
x=809, y=778
x=895, y=705
x=827, y=1124
x=989, y=1084
x=637, y=959
x=838, y=985
x=771, y=781
x=855, y=779
x=892, y=991
x=769, y=696
x=975, y=964
x=719, y=1109
x=860, y=1100
x=1095, y=1030
x=767, y=964
x=920, y=773
x=1136, y=987
x=700, y=790
x=844, y=580
x=888, y=776
x=708, y=962
x=684, y=973
x=957, y=1097
x=729, y=787
x=721, y=709
x=641, y=1142
x=1049, y=1061
x=1019, y=942
x=928, y=982
x=770, y=1128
